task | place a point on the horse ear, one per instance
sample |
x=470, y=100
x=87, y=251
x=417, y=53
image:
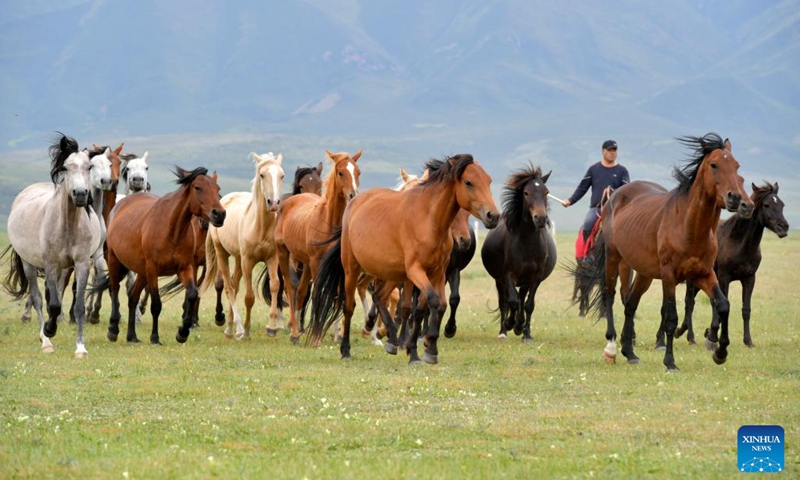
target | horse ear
x=403, y=174
x=254, y=156
x=95, y=147
x=544, y=179
x=319, y=168
x=119, y=149
x=356, y=156
x=425, y=174
x=144, y=157
x=775, y=188
x=727, y=145
x=107, y=153
x=279, y=159
x=330, y=154
x=214, y=176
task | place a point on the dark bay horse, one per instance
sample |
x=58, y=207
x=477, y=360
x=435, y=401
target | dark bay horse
x=739, y=257
x=51, y=226
x=416, y=249
x=155, y=236
x=305, y=221
x=669, y=236
x=520, y=253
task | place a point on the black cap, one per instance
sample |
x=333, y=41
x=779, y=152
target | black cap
x=609, y=145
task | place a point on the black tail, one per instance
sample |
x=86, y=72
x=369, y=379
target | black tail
x=171, y=289
x=590, y=274
x=263, y=278
x=99, y=287
x=16, y=283
x=328, y=292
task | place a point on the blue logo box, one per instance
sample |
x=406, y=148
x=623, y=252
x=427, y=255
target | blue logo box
x=761, y=448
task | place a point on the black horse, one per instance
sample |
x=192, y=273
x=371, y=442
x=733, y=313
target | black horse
x=738, y=259
x=520, y=253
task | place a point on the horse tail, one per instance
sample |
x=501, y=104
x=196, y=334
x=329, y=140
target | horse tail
x=263, y=278
x=211, y=268
x=328, y=292
x=171, y=289
x=16, y=282
x=98, y=288
x=590, y=275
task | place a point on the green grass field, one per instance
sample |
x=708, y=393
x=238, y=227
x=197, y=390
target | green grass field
x=217, y=408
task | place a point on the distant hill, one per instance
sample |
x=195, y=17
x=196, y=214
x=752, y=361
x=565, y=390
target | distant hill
x=509, y=81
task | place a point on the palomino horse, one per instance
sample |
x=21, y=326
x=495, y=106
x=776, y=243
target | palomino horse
x=520, y=252
x=305, y=221
x=155, y=236
x=739, y=257
x=669, y=236
x=417, y=249
x=54, y=229
x=248, y=236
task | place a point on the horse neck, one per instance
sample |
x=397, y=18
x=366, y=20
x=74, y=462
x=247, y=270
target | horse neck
x=262, y=214
x=109, y=200
x=702, y=213
x=97, y=201
x=746, y=232
x=335, y=204
x=69, y=212
x=442, y=206
x=179, y=216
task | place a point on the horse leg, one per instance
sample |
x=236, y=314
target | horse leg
x=380, y=299
x=748, y=284
x=186, y=277
x=300, y=295
x=134, y=295
x=114, y=276
x=155, y=304
x=686, y=325
x=26, y=314
x=274, y=292
x=72, y=315
x=417, y=274
x=512, y=298
x=81, y=277
x=530, y=305
x=454, y=279
x=640, y=285
x=235, y=325
x=519, y=320
x=53, y=300
x=502, y=305
x=612, y=262
x=712, y=333
x=669, y=320
x=219, y=315
x=35, y=299
x=250, y=296
x=289, y=289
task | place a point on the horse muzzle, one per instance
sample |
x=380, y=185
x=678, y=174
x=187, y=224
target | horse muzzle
x=742, y=208
x=106, y=185
x=781, y=229
x=490, y=219
x=217, y=217
x=80, y=197
x=463, y=243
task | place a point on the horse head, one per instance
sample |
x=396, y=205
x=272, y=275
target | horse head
x=100, y=170
x=116, y=162
x=308, y=180
x=134, y=173
x=268, y=181
x=345, y=174
x=473, y=189
x=769, y=208
x=70, y=167
x=203, y=193
x=527, y=193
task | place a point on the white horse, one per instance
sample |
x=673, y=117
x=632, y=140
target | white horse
x=54, y=229
x=248, y=236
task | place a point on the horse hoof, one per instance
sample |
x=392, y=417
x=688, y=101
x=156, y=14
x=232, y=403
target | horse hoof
x=692, y=342
x=710, y=345
x=390, y=349
x=94, y=318
x=219, y=320
x=673, y=369
x=48, y=332
x=155, y=341
x=133, y=340
x=365, y=333
x=750, y=345
x=661, y=348
x=450, y=332
x=610, y=359
x=634, y=361
x=294, y=340
x=527, y=339
x=181, y=337
x=502, y=336
x=717, y=359
x=25, y=318
x=415, y=362
x=271, y=332
x=48, y=349
x=81, y=355
x=346, y=358
x=112, y=337
x=430, y=359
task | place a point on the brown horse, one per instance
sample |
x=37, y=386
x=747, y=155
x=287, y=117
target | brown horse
x=417, y=249
x=155, y=236
x=305, y=221
x=669, y=236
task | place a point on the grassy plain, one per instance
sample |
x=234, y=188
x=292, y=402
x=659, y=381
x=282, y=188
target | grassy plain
x=217, y=408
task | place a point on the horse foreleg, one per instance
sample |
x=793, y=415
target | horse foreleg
x=712, y=332
x=219, y=287
x=417, y=274
x=134, y=293
x=688, y=309
x=300, y=295
x=635, y=292
x=748, y=284
x=81, y=277
x=274, y=291
x=454, y=279
x=53, y=300
x=350, y=285
x=35, y=299
x=530, y=306
x=250, y=297
x=519, y=320
x=186, y=277
x=722, y=306
x=289, y=290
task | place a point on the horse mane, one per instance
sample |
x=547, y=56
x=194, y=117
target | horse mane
x=761, y=192
x=94, y=153
x=298, y=175
x=59, y=152
x=185, y=177
x=513, y=202
x=447, y=170
x=700, y=147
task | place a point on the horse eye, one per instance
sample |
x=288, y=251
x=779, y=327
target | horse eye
x=261, y=175
x=196, y=188
x=91, y=167
x=340, y=174
x=468, y=183
x=713, y=165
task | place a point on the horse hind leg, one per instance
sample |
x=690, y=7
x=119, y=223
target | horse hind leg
x=35, y=300
x=81, y=278
x=747, y=293
x=454, y=280
x=686, y=325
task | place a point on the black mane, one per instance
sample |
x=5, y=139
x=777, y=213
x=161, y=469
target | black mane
x=186, y=177
x=447, y=170
x=701, y=146
x=513, y=199
x=298, y=175
x=60, y=151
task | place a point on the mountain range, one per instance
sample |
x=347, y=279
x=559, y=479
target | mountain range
x=513, y=82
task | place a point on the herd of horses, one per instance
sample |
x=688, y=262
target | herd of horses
x=327, y=242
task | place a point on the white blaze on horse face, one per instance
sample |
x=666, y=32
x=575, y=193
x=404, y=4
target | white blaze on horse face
x=275, y=173
x=351, y=167
x=77, y=179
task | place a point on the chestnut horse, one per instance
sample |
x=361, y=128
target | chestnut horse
x=248, y=236
x=155, y=236
x=417, y=249
x=520, y=253
x=305, y=221
x=669, y=236
x=739, y=258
